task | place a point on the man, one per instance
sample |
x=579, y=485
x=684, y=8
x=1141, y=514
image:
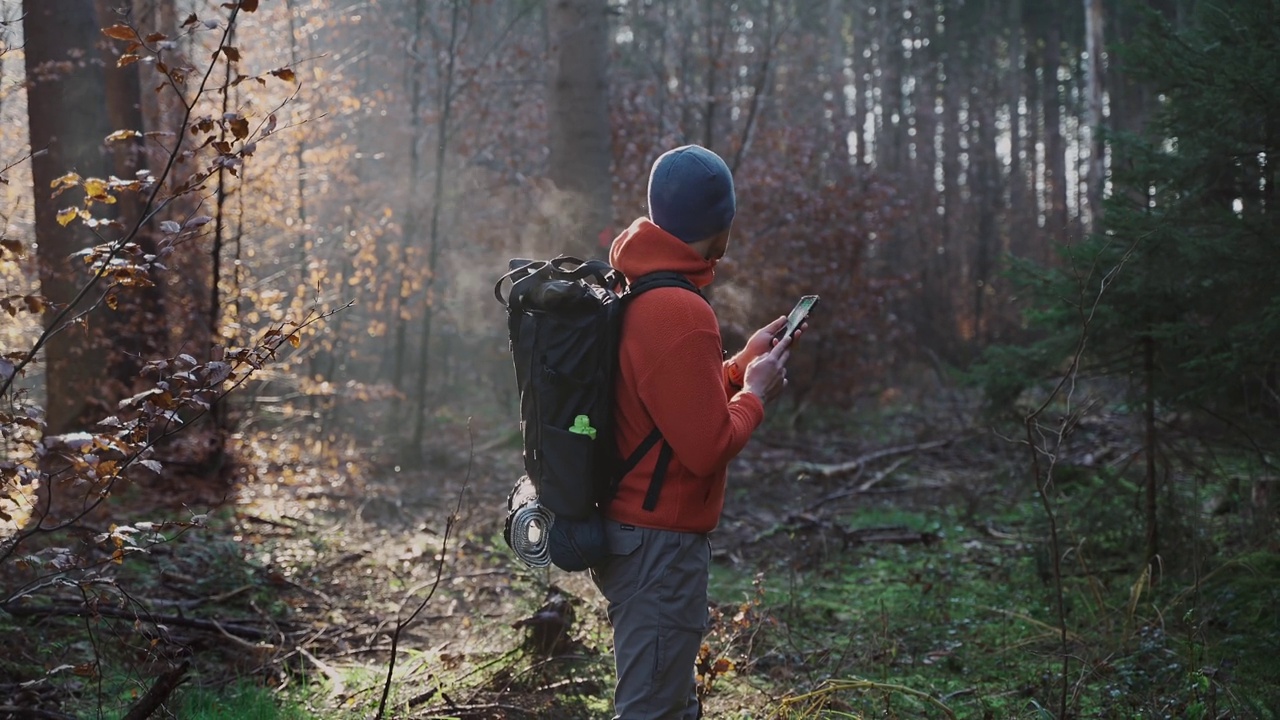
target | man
x=672, y=376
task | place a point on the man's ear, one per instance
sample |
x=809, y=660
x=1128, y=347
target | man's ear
x=719, y=244
x=712, y=248
x=702, y=247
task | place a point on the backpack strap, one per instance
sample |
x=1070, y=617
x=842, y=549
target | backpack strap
x=653, y=438
x=661, y=279
x=653, y=281
x=518, y=269
x=659, y=476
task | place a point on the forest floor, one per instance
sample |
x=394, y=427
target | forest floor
x=888, y=564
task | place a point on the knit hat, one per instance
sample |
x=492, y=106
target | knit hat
x=691, y=193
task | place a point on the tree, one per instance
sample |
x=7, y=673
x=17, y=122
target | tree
x=1094, y=33
x=69, y=119
x=1178, y=291
x=578, y=118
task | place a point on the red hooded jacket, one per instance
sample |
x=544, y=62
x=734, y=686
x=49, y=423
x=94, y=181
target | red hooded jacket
x=672, y=375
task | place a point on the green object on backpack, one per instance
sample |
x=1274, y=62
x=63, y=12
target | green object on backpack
x=582, y=426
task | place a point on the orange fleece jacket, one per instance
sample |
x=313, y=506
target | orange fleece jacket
x=672, y=374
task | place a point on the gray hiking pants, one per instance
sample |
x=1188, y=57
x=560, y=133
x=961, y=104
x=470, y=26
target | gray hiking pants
x=656, y=585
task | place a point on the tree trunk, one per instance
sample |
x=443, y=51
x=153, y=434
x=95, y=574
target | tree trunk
x=443, y=128
x=890, y=140
x=1149, y=449
x=986, y=179
x=138, y=322
x=124, y=111
x=162, y=106
x=837, y=80
x=758, y=91
x=1097, y=149
x=67, y=113
x=944, y=259
x=715, y=44
x=660, y=129
x=578, y=118
x=864, y=70
x=409, y=224
x=1055, y=148
x=1018, y=229
x=300, y=161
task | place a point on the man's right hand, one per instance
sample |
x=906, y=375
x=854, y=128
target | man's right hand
x=766, y=376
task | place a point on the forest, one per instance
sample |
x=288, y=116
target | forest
x=259, y=421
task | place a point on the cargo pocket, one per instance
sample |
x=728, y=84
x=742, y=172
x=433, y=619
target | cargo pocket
x=566, y=473
x=623, y=539
x=619, y=577
x=682, y=587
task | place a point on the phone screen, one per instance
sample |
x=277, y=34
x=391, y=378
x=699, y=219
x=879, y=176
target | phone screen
x=799, y=313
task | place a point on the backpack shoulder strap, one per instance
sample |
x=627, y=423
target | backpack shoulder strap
x=644, y=283
x=661, y=279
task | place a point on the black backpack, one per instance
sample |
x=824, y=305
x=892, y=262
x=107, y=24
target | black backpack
x=564, y=320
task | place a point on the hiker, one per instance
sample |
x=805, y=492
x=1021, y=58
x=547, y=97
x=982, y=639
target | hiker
x=672, y=375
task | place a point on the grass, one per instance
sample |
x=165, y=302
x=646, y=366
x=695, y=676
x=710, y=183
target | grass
x=814, y=627
x=969, y=623
x=242, y=701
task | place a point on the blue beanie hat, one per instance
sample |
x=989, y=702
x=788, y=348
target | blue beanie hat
x=691, y=193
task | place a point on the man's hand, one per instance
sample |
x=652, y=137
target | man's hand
x=766, y=375
x=761, y=342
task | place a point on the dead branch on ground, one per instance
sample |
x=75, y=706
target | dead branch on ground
x=79, y=610
x=159, y=692
x=826, y=470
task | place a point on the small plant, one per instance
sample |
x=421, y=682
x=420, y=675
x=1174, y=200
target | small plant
x=731, y=640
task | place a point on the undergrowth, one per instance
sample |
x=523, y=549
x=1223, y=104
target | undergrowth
x=966, y=623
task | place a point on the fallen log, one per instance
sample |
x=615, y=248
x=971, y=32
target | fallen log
x=159, y=692
x=243, y=631
x=21, y=712
x=895, y=534
x=826, y=470
x=860, y=489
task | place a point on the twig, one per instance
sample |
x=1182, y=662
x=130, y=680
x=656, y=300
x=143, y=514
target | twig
x=335, y=678
x=241, y=643
x=958, y=694
x=568, y=682
x=1043, y=477
x=1050, y=629
x=444, y=546
x=159, y=692
x=270, y=343
x=196, y=602
x=482, y=710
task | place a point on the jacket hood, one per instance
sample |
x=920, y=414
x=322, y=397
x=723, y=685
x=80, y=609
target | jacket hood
x=644, y=248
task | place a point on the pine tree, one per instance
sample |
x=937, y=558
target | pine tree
x=1178, y=293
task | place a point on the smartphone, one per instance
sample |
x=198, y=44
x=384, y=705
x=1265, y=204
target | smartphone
x=798, y=315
